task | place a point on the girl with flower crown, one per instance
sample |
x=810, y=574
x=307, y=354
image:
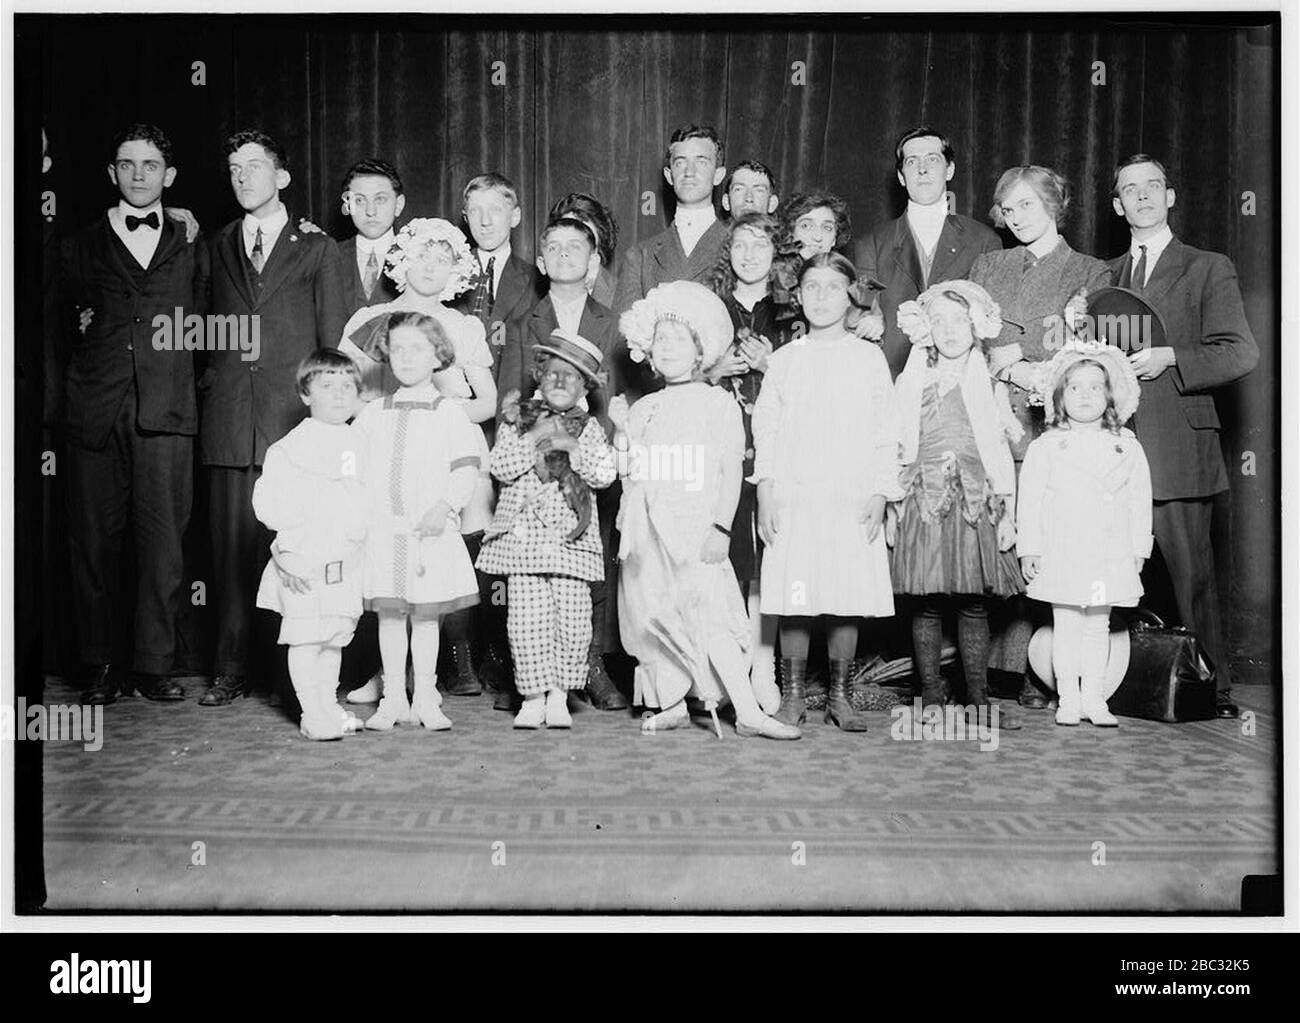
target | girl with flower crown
x=826, y=461
x=1085, y=518
x=431, y=263
x=953, y=531
x=680, y=609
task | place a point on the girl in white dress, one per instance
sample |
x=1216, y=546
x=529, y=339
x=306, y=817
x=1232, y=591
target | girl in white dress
x=1084, y=518
x=431, y=263
x=680, y=610
x=421, y=461
x=826, y=462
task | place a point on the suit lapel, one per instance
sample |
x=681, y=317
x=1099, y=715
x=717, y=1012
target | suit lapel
x=283, y=258
x=669, y=254
x=593, y=325
x=228, y=248
x=906, y=257
x=1168, y=269
x=172, y=238
x=512, y=287
x=950, y=242
x=705, y=253
x=114, y=254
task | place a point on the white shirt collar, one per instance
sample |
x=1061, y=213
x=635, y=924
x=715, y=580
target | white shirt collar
x=271, y=225
x=379, y=246
x=502, y=257
x=123, y=208
x=928, y=215
x=695, y=220
x=1156, y=244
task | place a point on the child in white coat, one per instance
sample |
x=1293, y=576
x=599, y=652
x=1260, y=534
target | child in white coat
x=1084, y=518
x=310, y=494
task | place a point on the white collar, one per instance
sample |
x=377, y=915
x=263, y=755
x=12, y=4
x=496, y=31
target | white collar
x=1156, y=244
x=699, y=218
x=379, y=246
x=501, y=255
x=124, y=208
x=936, y=212
x=271, y=224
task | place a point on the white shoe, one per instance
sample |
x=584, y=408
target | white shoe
x=557, y=709
x=1093, y=706
x=427, y=706
x=393, y=710
x=674, y=717
x=351, y=723
x=368, y=693
x=768, y=728
x=532, y=714
x=1067, y=694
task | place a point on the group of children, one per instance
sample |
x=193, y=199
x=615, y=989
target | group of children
x=858, y=487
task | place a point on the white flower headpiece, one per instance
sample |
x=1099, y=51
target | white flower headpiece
x=412, y=241
x=985, y=316
x=685, y=302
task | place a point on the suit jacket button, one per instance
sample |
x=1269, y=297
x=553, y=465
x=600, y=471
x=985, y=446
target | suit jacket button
x=252, y=369
x=138, y=319
x=130, y=348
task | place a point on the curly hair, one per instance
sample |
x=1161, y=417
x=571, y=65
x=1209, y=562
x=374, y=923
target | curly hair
x=806, y=202
x=1057, y=416
x=722, y=278
x=143, y=133
x=257, y=137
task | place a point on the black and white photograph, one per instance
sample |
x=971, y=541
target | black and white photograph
x=707, y=461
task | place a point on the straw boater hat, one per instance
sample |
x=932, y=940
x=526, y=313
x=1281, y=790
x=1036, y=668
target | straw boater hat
x=1123, y=381
x=417, y=235
x=985, y=316
x=577, y=351
x=686, y=302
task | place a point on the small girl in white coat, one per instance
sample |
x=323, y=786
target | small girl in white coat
x=310, y=494
x=1084, y=518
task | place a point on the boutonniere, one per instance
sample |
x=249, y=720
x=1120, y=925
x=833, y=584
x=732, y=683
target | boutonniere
x=293, y=237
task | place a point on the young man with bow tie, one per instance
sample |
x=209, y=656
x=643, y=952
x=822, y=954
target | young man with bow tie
x=292, y=281
x=130, y=415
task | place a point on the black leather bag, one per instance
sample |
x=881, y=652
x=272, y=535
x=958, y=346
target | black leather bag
x=1169, y=676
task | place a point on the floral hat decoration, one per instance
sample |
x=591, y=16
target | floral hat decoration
x=985, y=316
x=414, y=239
x=1124, y=384
x=686, y=302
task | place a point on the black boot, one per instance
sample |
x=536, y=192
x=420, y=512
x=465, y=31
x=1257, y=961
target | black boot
x=794, y=708
x=464, y=682
x=601, y=691
x=1031, y=697
x=839, y=710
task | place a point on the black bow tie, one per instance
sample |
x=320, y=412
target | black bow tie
x=150, y=221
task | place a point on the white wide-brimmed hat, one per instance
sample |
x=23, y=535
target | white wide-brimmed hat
x=686, y=302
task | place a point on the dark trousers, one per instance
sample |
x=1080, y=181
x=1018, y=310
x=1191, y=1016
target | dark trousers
x=1182, y=532
x=145, y=479
x=241, y=547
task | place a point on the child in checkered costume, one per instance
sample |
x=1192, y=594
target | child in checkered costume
x=545, y=537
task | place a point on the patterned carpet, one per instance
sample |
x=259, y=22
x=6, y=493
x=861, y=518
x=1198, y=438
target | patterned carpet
x=603, y=818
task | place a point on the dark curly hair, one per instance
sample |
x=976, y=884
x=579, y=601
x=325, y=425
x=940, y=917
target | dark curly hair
x=806, y=202
x=722, y=278
x=143, y=133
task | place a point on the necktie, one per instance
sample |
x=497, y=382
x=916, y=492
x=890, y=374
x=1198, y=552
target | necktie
x=372, y=274
x=483, y=296
x=150, y=221
x=258, y=259
x=1140, y=270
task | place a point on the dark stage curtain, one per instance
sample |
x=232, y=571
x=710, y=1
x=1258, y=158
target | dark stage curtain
x=564, y=104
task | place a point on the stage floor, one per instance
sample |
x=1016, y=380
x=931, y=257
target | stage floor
x=1147, y=817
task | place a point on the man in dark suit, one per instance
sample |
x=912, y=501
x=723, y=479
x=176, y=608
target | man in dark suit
x=694, y=165
x=372, y=197
x=508, y=287
x=1209, y=344
x=287, y=285
x=928, y=243
x=129, y=413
